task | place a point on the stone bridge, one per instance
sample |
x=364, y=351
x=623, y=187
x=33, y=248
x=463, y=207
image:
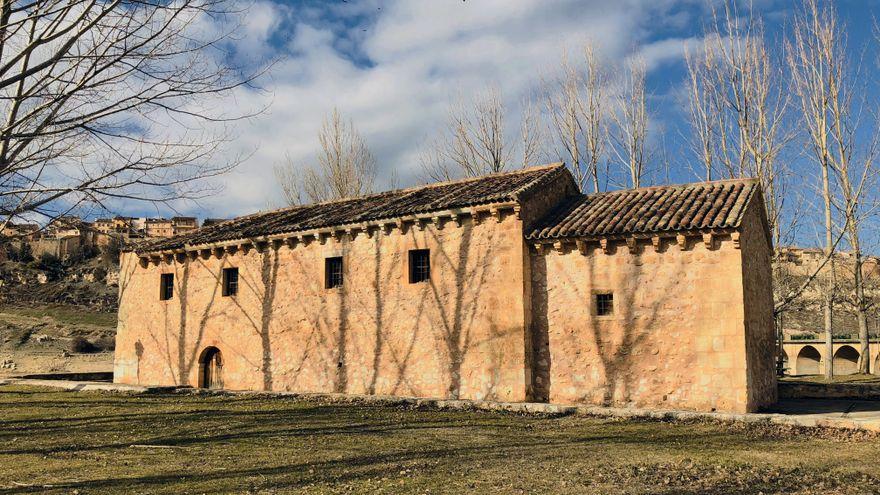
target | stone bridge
x=808, y=357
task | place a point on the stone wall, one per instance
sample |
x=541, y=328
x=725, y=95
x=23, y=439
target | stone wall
x=760, y=333
x=459, y=335
x=676, y=338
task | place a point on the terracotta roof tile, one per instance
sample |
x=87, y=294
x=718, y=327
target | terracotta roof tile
x=503, y=187
x=698, y=206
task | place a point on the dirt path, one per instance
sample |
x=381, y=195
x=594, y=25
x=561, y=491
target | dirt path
x=47, y=340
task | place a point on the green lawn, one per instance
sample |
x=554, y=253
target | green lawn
x=64, y=314
x=99, y=443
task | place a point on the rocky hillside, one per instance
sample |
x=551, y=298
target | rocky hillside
x=89, y=281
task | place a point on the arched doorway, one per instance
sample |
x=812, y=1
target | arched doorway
x=211, y=369
x=808, y=361
x=846, y=361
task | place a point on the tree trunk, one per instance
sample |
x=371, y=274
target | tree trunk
x=861, y=312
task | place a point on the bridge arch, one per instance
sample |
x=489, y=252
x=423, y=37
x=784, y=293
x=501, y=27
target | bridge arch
x=808, y=361
x=846, y=360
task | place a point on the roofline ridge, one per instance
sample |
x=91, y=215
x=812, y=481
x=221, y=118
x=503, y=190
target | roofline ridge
x=533, y=168
x=682, y=185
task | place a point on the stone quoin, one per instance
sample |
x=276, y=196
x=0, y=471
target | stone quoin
x=509, y=287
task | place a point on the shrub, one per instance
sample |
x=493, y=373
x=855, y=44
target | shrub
x=804, y=336
x=81, y=345
x=51, y=264
x=106, y=343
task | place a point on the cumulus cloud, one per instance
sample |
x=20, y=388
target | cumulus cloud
x=393, y=68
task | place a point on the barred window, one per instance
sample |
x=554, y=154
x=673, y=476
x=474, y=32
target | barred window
x=166, y=286
x=333, y=272
x=604, y=304
x=230, y=281
x=419, y=265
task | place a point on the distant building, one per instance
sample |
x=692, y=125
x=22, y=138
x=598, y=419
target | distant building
x=158, y=227
x=182, y=225
x=25, y=231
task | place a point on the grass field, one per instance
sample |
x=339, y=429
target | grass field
x=76, y=442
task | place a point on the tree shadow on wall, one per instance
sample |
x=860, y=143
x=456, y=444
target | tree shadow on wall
x=618, y=355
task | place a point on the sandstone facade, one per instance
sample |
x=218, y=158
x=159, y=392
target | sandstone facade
x=506, y=314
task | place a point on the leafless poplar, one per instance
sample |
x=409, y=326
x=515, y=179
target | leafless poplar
x=576, y=107
x=629, y=135
x=346, y=167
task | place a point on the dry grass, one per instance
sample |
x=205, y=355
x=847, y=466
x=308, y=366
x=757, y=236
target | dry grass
x=59, y=442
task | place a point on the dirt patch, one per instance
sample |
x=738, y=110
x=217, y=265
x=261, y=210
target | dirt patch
x=50, y=339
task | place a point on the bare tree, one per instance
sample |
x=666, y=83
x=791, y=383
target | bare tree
x=629, y=134
x=475, y=142
x=112, y=99
x=739, y=108
x=817, y=60
x=705, y=106
x=346, y=166
x=575, y=103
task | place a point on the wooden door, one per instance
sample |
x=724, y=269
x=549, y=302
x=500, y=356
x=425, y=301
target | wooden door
x=213, y=369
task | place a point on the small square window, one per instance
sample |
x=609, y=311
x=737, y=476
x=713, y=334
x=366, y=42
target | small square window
x=333, y=272
x=419, y=265
x=604, y=304
x=166, y=286
x=230, y=281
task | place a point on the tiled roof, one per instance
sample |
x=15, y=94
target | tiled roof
x=496, y=188
x=698, y=206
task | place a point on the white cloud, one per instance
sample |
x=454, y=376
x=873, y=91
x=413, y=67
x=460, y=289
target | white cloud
x=410, y=60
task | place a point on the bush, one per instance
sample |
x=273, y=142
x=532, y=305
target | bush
x=804, y=336
x=51, y=264
x=81, y=345
x=106, y=343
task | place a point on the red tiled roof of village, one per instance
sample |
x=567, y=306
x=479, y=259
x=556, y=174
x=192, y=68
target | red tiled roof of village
x=495, y=188
x=647, y=210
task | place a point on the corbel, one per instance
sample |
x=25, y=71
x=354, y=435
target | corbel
x=155, y=260
x=475, y=216
x=291, y=242
x=143, y=261
x=322, y=238
x=419, y=224
x=261, y=246
x=168, y=258
x=205, y=254
x=457, y=219
x=496, y=213
x=276, y=244
x=352, y=233
x=734, y=236
x=517, y=209
x=386, y=228
x=180, y=257
x=231, y=249
x=581, y=246
x=539, y=248
x=632, y=245
x=559, y=246
x=217, y=252
x=401, y=225
x=681, y=240
x=193, y=255
x=708, y=240
x=437, y=221
x=655, y=241
x=605, y=245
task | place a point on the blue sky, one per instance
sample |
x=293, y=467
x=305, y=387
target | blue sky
x=393, y=67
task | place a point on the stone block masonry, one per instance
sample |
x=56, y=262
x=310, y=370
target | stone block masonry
x=507, y=313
